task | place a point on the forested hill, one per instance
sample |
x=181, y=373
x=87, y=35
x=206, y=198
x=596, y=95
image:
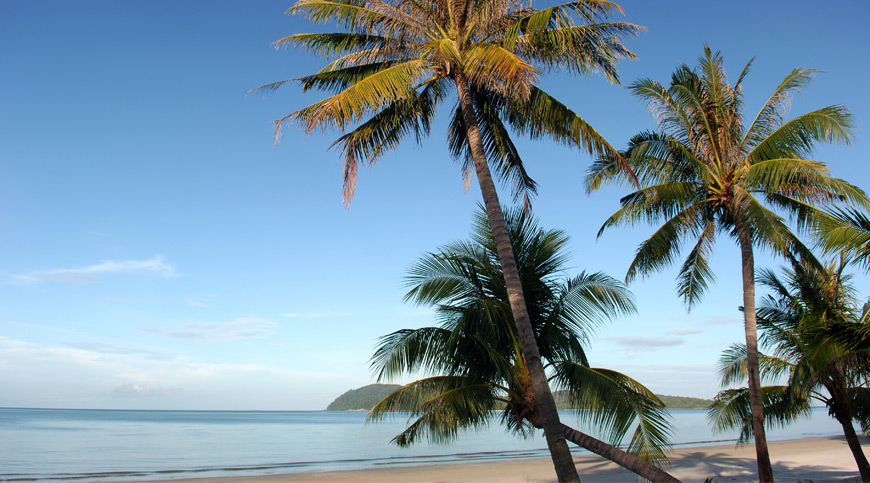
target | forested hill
x=671, y=402
x=680, y=402
x=367, y=396
x=363, y=398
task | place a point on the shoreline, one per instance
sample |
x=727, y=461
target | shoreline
x=815, y=458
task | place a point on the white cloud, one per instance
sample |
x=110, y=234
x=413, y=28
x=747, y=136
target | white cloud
x=719, y=320
x=43, y=375
x=400, y=312
x=316, y=315
x=101, y=348
x=197, y=303
x=241, y=328
x=89, y=273
x=143, y=390
x=685, y=331
x=708, y=320
x=646, y=343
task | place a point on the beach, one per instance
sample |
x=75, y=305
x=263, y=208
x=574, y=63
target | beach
x=816, y=459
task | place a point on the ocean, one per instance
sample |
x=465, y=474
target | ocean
x=46, y=445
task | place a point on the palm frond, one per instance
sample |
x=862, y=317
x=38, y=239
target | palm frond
x=589, y=299
x=365, y=96
x=581, y=49
x=354, y=15
x=612, y=402
x=766, y=227
x=663, y=247
x=501, y=152
x=498, y=69
x=845, y=230
x=797, y=137
x=409, y=350
x=772, y=114
x=731, y=410
x=695, y=274
x=330, y=44
x=442, y=406
x=385, y=131
x=542, y=116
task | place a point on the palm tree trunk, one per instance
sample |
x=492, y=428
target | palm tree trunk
x=618, y=456
x=855, y=446
x=559, y=451
x=765, y=472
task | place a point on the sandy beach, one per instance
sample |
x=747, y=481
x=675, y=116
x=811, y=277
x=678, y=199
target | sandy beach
x=816, y=459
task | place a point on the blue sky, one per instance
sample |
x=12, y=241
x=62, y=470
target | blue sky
x=160, y=253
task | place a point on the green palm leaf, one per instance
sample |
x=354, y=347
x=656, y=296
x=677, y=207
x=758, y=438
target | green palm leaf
x=612, y=402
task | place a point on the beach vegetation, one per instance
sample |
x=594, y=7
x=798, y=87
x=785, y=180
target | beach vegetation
x=706, y=172
x=392, y=64
x=476, y=370
x=806, y=303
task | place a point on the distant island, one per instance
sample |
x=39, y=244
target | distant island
x=364, y=398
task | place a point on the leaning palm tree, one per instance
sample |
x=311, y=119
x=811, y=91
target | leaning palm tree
x=397, y=60
x=475, y=367
x=795, y=321
x=707, y=173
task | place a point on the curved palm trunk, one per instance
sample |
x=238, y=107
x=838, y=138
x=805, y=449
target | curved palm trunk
x=855, y=446
x=618, y=456
x=765, y=472
x=559, y=451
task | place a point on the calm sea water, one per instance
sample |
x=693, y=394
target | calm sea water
x=94, y=445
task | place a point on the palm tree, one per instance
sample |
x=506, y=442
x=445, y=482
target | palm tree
x=706, y=173
x=795, y=320
x=396, y=60
x=474, y=362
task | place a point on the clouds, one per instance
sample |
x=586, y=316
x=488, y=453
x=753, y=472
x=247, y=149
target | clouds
x=100, y=375
x=102, y=348
x=143, y=390
x=197, y=303
x=684, y=331
x=646, y=343
x=241, y=328
x=708, y=319
x=317, y=315
x=91, y=273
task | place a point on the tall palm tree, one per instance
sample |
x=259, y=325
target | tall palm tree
x=795, y=320
x=475, y=366
x=706, y=173
x=396, y=60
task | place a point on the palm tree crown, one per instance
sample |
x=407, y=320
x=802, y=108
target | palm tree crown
x=796, y=320
x=473, y=357
x=707, y=173
x=397, y=60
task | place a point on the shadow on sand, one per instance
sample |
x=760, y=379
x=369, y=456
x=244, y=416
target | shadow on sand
x=738, y=463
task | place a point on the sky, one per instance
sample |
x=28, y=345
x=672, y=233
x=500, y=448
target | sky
x=159, y=252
